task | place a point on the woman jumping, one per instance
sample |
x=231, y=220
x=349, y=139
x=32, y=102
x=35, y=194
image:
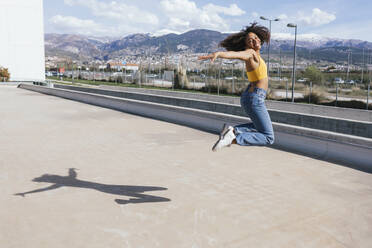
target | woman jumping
x=246, y=46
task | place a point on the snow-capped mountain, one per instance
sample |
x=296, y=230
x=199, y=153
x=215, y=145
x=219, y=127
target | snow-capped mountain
x=195, y=41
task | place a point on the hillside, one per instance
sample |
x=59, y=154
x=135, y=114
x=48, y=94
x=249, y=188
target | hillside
x=82, y=47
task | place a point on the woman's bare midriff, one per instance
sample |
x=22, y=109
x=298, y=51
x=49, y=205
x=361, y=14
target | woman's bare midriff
x=263, y=84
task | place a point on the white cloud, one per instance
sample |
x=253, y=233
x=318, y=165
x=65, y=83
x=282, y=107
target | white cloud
x=317, y=17
x=179, y=22
x=255, y=15
x=116, y=11
x=359, y=29
x=174, y=15
x=300, y=37
x=73, y=25
x=179, y=6
x=283, y=17
x=233, y=10
x=183, y=15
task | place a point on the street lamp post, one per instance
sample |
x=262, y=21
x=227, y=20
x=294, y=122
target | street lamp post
x=291, y=25
x=361, y=80
x=268, y=48
x=219, y=78
x=233, y=82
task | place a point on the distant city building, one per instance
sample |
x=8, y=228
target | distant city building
x=115, y=66
x=22, y=39
x=131, y=67
x=120, y=66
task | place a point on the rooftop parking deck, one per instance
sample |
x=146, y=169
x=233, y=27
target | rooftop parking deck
x=120, y=180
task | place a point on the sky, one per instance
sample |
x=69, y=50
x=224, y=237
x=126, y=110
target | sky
x=344, y=19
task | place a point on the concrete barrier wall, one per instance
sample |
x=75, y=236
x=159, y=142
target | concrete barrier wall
x=336, y=112
x=312, y=109
x=344, y=149
x=352, y=127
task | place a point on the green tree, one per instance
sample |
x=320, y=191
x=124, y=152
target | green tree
x=4, y=74
x=314, y=75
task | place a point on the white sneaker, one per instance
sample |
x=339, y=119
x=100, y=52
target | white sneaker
x=225, y=139
x=224, y=129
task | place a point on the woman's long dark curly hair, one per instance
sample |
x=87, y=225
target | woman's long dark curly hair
x=237, y=42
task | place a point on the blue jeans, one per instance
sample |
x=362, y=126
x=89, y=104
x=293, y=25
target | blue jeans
x=260, y=131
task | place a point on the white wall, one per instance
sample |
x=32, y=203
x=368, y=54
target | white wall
x=22, y=39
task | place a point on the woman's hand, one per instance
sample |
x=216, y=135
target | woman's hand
x=211, y=56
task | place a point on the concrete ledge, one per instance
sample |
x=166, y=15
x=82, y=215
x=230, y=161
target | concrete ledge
x=344, y=149
x=312, y=109
x=328, y=111
x=345, y=126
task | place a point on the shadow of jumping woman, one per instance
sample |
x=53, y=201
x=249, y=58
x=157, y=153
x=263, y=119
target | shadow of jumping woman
x=135, y=192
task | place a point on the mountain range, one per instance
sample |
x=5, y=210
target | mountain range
x=81, y=47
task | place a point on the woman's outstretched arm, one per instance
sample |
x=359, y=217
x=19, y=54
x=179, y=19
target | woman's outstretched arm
x=242, y=55
x=54, y=186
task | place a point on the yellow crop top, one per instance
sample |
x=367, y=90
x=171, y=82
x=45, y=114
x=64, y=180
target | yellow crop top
x=259, y=73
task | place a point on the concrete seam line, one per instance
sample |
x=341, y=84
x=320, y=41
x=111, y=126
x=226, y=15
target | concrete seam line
x=328, y=117
x=154, y=95
x=325, y=132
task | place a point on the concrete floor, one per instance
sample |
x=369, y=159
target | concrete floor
x=110, y=179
